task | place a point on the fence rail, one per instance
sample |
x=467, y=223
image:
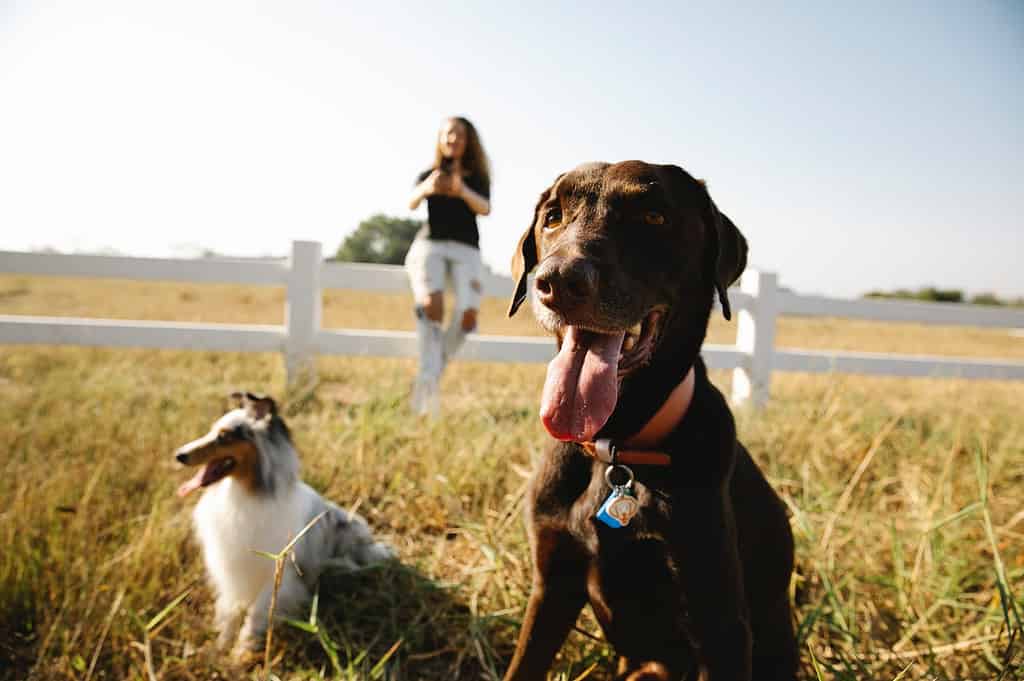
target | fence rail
x=753, y=358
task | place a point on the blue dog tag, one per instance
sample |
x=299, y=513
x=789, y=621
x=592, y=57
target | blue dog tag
x=618, y=509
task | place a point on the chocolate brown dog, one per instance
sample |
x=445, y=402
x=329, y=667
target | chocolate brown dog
x=629, y=257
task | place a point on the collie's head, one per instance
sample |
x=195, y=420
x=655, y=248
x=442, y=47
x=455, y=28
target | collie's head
x=250, y=444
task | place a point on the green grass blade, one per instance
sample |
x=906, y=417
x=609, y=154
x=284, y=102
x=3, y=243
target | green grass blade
x=159, y=617
x=378, y=669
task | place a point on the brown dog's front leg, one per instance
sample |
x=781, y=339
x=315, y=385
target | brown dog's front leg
x=557, y=596
x=551, y=612
x=712, y=580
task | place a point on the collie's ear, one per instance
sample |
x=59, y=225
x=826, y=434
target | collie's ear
x=526, y=256
x=727, y=252
x=259, y=406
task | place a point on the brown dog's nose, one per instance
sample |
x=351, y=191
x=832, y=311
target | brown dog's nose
x=182, y=457
x=566, y=285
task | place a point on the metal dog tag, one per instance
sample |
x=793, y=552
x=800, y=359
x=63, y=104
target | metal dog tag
x=620, y=506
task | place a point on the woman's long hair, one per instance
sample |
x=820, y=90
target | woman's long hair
x=474, y=159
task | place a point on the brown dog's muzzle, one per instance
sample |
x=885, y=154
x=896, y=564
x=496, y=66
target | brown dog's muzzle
x=566, y=285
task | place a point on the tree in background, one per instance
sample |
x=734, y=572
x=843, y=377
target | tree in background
x=988, y=299
x=928, y=293
x=379, y=239
x=933, y=294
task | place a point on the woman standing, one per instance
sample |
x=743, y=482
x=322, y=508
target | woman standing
x=457, y=188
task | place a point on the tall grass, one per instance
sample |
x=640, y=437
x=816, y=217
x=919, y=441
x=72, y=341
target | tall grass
x=906, y=499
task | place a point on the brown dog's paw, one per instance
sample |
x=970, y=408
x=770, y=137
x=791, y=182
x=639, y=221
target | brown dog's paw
x=648, y=671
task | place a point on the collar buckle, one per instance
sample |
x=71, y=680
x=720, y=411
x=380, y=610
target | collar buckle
x=605, y=451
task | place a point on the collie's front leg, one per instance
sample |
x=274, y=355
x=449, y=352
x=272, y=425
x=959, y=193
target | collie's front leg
x=291, y=600
x=226, y=614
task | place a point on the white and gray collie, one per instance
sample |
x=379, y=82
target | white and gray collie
x=253, y=500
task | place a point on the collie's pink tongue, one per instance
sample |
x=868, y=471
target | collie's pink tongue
x=582, y=385
x=193, y=483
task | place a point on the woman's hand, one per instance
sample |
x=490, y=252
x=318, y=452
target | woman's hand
x=454, y=184
x=445, y=184
x=435, y=183
x=438, y=183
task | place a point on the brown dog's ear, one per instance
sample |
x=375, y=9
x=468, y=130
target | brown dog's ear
x=728, y=252
x=526, y=256
x=523, y=262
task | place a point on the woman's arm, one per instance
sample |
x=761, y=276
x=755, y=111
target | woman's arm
x=451, y=185
x=477, y=203
x=426, y=188
x=458, y=188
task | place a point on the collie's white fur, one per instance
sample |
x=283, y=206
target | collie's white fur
x=253, y=500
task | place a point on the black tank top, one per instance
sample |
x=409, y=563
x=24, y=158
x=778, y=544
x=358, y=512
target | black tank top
x=449, y=218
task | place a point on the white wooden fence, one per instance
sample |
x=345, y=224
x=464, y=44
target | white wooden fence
x=753, y=358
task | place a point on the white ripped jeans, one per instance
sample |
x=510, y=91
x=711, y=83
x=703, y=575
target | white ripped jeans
x=429, y=264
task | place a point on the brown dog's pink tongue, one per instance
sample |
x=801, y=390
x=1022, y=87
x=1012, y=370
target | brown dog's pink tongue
x=582, y=385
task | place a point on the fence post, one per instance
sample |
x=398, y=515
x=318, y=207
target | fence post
x=302, y=311
x=755, y=337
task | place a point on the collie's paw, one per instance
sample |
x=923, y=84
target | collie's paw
x=245, y=656
x=224, y=640
x=378, y=552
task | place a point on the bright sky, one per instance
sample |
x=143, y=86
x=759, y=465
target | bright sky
x=872, y=146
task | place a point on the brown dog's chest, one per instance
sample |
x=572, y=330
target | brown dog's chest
x=631, y=572
x=569, y=488
x=651, y=520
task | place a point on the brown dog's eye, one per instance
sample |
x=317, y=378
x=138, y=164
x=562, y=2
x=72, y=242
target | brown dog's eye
x=653, y=217
x=553, y=218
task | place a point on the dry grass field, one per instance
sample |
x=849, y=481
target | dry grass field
x=907, y=500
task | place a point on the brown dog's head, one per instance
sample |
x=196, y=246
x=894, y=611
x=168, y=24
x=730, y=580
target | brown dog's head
x=628, y=257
